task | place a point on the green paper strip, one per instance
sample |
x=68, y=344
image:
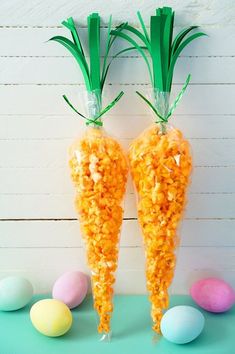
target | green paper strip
x=77, y=55
x=107, y=47
x=94, y=49
x=143, y=26
x=71, y=26
x=139, y=35
x=176, y=55
x=180, y=36
x=115, y=56
x=155, y=34
x=136, y=45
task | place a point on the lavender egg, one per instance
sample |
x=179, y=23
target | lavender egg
x=71, y=288
x=213, y=295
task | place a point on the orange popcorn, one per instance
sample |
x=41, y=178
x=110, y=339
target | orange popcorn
x=99, y=172
x=160, y=166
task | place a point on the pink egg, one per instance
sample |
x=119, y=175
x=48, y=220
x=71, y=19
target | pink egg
x=71, y=288
x=214, y=295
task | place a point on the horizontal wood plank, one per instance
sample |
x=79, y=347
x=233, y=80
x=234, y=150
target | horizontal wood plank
x=48, y=206
x=44, y=100
x=66, y=234
x=35, y=13
x=129, y=258
x=23, y=127
x=190, y=258
x=53, y=153
x=57, y=180
x=127, y=281
x=123, y=70
x=35, y=42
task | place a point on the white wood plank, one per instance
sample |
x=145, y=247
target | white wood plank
x=201, y=258
x=184, y=279
x=53, y=153
x=124, y=70
x=43, y=100
x=57, y=181
x=35, y=13
x=48, y=206
x=69, y=126
x=59, y=234
x=34, y=40
x=37, y=127
x=127, y=281
x=129, y=258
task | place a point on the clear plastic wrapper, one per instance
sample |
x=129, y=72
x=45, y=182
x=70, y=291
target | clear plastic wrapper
x=98, y=164
x=160, y=157
x=99, y=172
x=160, y=162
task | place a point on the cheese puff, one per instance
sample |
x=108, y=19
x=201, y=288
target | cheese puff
x=160, y=167
x=99, y=172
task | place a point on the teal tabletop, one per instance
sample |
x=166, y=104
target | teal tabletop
x=131, y=334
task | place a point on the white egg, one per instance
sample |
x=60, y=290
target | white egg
x=182, y=324
x=15, y=293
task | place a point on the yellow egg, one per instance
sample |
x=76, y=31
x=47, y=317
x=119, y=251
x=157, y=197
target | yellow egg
x=51, y=317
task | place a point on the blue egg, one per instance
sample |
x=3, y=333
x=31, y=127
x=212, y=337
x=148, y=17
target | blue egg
x=182, y=324
x=15, y=293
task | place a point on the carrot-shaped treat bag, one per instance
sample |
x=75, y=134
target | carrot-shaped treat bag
x=98, y=170
x=160, y=158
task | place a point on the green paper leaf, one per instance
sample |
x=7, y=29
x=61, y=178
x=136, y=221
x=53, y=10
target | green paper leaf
x=71, y=26
x=77, y=55
x=115, y=56
x=135, y=44
x=139, y=35
x=94, y=49
x=155, y=37
x=180, y=36
x=110, y=40
x=143, y=26
x=176, y=55
x=106, y=52
x=93, y=78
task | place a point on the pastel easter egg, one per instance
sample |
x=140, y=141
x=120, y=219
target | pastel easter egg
x=182, y=324
x=15, y=293
x=71, y=288
x=51, y=317
x=212, y=294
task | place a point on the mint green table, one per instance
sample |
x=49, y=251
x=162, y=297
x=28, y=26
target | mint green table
x=132, y=332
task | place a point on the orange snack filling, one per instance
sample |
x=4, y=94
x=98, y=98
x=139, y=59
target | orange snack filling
x=160, y=166
x=99, y=172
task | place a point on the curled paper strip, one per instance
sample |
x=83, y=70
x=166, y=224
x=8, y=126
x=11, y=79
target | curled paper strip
x=95, y=120
x=164, y=118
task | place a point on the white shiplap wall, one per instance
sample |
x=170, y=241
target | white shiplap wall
x=39, y=236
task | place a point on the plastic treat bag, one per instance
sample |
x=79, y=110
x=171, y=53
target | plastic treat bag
x=160, y=158
x=99, y=173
